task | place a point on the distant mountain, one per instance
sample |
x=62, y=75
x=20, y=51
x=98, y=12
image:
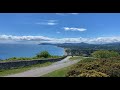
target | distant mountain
x=115, y=43
x=83, y=45
x=46, y=44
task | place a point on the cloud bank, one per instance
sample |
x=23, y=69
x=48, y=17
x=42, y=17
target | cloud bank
x=41, y=39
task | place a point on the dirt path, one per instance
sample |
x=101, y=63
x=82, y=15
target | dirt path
x=37, y=72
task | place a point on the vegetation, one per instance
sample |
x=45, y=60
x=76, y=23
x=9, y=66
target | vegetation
x=86, y=73
x=44, y=54
x=21, y=58
x=105, y=54
x=85, y=49
x=107, y=64
x=22, y=69
x=76, y=57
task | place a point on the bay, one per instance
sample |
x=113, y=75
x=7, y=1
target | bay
x=27, y=50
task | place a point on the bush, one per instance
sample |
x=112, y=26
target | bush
x=73, y=73
x=113, y=72
x=105, y=54
x=92, y=73
x=44, y=54
x=85, y=73
x=109, y=67
x=114, y=54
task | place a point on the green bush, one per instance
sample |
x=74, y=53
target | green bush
x=105, y=54
x=114, y=54
x=44, y=54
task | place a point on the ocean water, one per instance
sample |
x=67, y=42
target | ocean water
x=27, y=50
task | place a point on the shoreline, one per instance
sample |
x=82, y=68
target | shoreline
x=19, y=50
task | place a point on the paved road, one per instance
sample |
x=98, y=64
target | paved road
x=36, y=72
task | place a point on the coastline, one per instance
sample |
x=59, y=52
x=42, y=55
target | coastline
x=18, y=50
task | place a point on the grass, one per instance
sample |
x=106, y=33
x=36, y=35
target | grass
x=58, y=73
x=25, y=58
x=76, y=57
x=22, y=69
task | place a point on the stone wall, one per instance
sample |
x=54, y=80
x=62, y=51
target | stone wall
x=16, y=64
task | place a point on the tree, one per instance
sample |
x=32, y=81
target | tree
x=44, y=54
x=68, y=51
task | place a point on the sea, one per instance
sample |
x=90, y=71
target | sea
x=27, y=50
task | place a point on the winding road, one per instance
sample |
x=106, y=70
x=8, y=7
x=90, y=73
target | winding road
x=40, y=71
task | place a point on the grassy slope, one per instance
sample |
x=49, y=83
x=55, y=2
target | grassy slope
x=76, y=57
x=22, y=69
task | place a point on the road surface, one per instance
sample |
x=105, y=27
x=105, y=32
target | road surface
x=40, y=71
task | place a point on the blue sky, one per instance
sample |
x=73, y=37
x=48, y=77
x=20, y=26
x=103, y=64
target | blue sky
x=59, y=27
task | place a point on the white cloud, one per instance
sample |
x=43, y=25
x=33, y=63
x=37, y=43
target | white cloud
x=51, y=20
x=51, y=23
x=99, y=40
x=74, y=29
x=47, y=22
x=28, y=38
x=40, y=39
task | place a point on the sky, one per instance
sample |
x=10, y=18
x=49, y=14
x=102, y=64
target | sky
x=59, y=27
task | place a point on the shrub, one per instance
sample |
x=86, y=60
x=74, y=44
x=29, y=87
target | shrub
x=109, y=67
x=44, y=54
x=113, y=72
x=12, y=58
x=92, y=73
x=88, y=60
x=86, y=73
x=73, y=73
x=114, y=54
x=105, y=54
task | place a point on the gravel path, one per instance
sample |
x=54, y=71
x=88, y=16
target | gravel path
x=37, y=72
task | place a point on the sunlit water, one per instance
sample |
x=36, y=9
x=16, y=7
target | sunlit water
x=27, y=50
